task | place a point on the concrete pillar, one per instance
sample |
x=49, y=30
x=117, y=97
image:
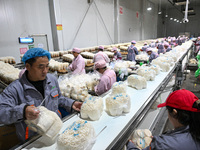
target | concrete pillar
x=56, y=24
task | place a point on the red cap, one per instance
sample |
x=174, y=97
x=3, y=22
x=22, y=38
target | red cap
x=181, y=99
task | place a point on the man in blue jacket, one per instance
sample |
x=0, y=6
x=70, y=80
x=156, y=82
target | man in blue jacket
x=19, y=100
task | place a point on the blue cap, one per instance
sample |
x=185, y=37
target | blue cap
x=35, y=52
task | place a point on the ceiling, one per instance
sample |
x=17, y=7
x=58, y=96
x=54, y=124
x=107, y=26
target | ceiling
x=169, y=4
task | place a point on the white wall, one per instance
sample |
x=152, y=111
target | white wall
x=143, y=27
x=84, y=24
x=22, y=18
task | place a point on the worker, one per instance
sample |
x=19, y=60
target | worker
x=152, y=55
x=156, y=43
x=184, y=113
x=174, y=42
x=20, y=99
x=144, y=48
x=78, y=64
x=160, y=48
x=152, y=45
x=179, y=40
x=132, y=51
x=107, y=79
x=117, y=54
x=167, y=47
x=101, y=56
x=197, y=44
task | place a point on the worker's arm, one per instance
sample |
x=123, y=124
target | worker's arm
x=11, y=110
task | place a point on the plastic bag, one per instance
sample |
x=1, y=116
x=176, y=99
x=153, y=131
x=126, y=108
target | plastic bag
x=197, y=72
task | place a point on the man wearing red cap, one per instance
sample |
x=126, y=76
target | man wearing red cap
x=108, y=78
x=78, y=64
x=101, y=56
x=184, y=114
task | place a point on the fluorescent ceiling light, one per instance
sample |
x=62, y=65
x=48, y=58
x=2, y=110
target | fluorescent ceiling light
x=149, y=8
x=180, y=22
x=166, y=16
x=171, y=18
x=174, y=19
x=160, y=12
x=177, y=20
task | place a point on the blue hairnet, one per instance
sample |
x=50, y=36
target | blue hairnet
x=35, y=52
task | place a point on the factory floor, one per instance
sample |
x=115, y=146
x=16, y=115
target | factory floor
x=192, y=83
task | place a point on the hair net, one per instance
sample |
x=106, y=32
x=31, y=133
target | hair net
x=166, y=44
x=77, y=50
x=149, y=49
x=35, y=52
x=100, y=64
x=101, y=47
x=114, y=49
x=133, y=42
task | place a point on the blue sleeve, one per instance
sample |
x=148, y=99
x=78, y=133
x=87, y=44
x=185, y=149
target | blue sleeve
x=10, y=109
x=119, y=54
x=131, y=146
x=136, y=51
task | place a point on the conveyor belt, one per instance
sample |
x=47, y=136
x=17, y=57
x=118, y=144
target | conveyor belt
x=119, y=128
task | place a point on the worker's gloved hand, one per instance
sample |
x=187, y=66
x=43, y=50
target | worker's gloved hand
x=31, y=112
x=69, y=69
x=77, y=105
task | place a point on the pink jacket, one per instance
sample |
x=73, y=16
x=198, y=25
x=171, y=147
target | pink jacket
x=107, y=80
x=78, y=65
x=100, y=55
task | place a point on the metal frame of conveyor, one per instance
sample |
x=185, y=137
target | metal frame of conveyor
x=122, y=138
x=180, y=72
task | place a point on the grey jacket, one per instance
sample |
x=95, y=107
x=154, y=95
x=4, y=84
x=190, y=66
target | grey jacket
x=178, y=139
x=20, y=93
x=132, y=51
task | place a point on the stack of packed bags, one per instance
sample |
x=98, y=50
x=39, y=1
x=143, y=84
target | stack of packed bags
x=8, y=59
x=80, y=135
x=47, y=124
x=149, y=72
x=92, y=108
x=8, y=73
x=118, y=102
x=142, y=138
x=77, y=86
x=57, y=66
x=124, y=65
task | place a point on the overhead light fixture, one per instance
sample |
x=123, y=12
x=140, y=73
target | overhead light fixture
x=180, y=22
x=159, y=12
x=166, y=15
x=174, y=19
x=171, y=18
x=177, y=20
x=179, y=2
x=149, y=8
x=185, y=19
